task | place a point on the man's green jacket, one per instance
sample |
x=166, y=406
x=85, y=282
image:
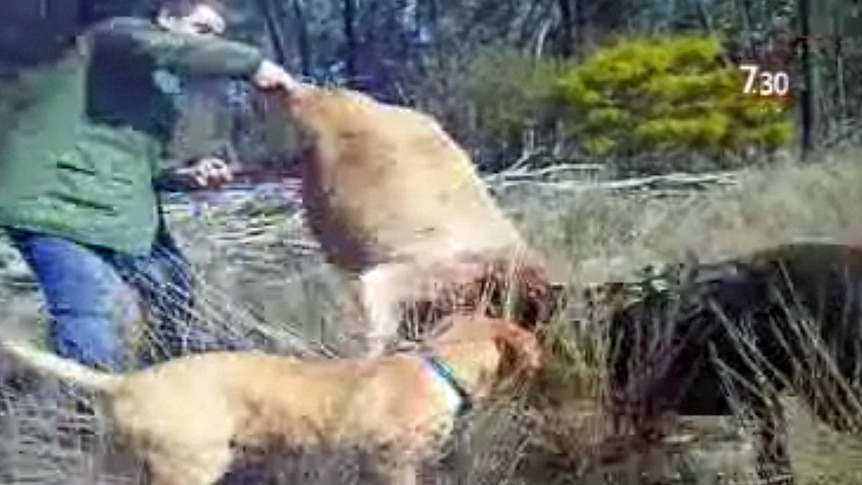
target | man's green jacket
x=86, y=134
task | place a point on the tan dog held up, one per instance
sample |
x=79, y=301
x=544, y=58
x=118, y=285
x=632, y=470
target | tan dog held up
x=182, y=417
x=392, y=198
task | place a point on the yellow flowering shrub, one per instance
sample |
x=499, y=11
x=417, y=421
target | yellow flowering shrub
x=666, y=94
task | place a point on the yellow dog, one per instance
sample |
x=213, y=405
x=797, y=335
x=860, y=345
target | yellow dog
x=400, y=207
x=184, y=416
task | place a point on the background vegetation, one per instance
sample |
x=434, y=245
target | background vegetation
x=503, y=75
x=537, y=80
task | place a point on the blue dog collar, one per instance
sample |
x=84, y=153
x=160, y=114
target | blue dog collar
x=442, y=370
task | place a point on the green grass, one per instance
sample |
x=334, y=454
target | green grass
x=258, y=276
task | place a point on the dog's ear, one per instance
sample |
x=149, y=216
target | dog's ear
x=520, y=349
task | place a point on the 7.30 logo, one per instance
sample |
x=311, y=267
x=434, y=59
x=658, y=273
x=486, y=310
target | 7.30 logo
x=766, y=83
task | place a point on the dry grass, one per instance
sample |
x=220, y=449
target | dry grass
x=260, y=278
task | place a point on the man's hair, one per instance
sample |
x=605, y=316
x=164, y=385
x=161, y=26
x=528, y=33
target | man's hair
x=182, y=7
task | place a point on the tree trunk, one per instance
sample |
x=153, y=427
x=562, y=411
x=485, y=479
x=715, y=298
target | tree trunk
x=351, y=43
x=703, y=17
x=302, y=39
x=840, y=78
x=580, y=20
x=274, y=27
x=743, y=8
x=567, y=37
x=808, y=98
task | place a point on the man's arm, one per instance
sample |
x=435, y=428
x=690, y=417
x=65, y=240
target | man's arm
x=180, y=53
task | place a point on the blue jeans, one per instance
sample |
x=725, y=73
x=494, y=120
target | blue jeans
x=94, y=295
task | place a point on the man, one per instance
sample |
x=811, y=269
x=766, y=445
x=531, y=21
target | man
x=78, y=165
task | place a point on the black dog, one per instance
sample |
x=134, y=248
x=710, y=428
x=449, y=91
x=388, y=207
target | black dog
x=740, y=332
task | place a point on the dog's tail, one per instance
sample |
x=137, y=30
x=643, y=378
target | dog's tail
x=61, y=368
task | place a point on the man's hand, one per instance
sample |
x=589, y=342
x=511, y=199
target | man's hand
x=270, y=75
x=206, y=173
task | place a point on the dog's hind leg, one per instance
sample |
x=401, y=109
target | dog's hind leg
x=194, y=467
